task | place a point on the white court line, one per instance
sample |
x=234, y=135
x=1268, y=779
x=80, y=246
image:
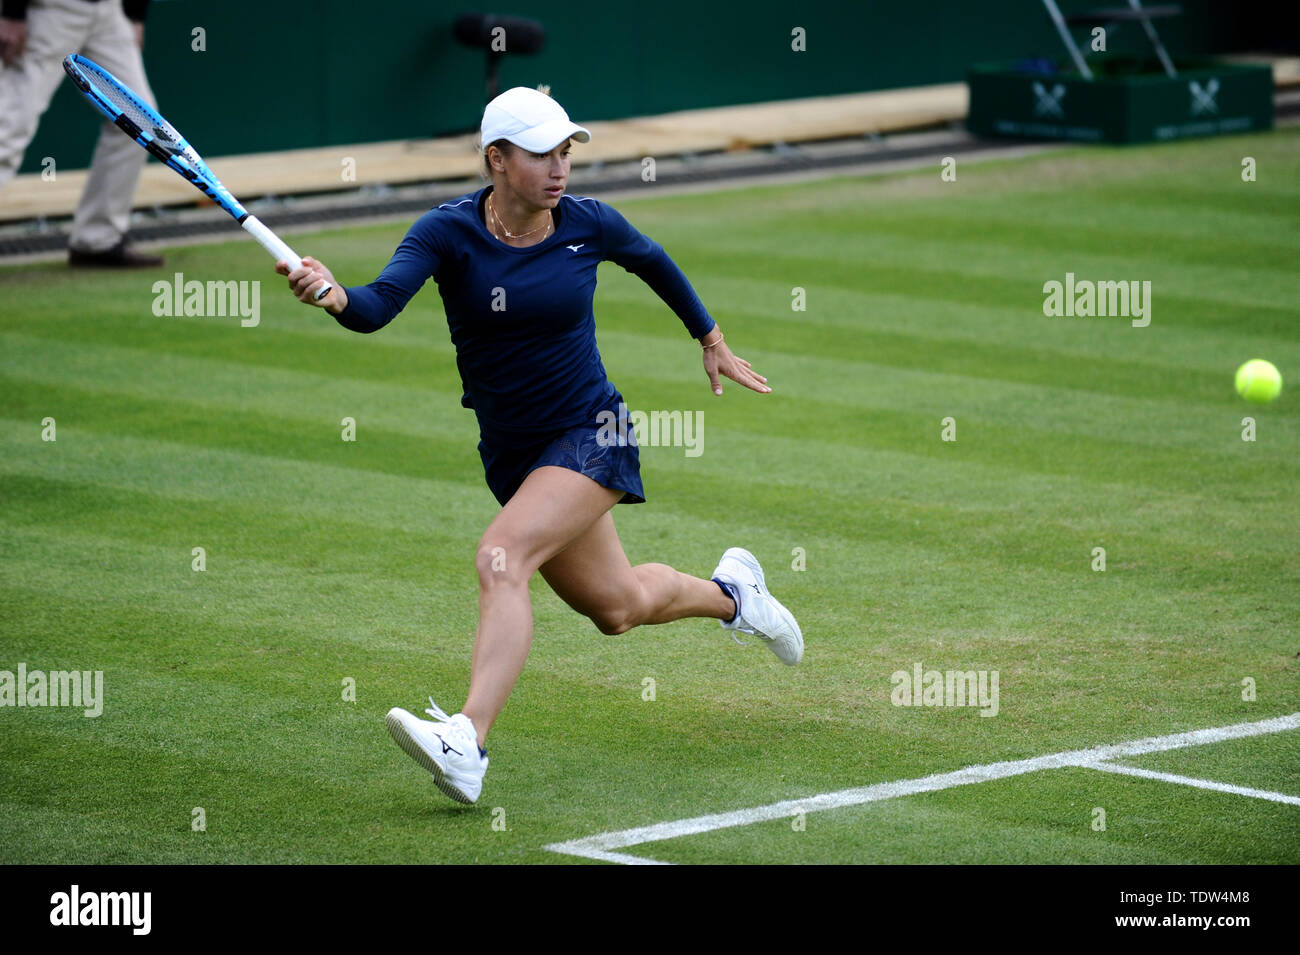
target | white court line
x=600, y=845
x=1198, y=783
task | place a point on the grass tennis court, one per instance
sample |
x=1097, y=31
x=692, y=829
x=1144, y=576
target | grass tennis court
x=329, y=561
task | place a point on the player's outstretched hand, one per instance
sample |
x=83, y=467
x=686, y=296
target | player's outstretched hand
x=718, y=360
x=305, y=281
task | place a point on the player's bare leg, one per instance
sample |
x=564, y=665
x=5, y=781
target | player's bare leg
x=594, y=577
x=553, y=507
x=559, y=522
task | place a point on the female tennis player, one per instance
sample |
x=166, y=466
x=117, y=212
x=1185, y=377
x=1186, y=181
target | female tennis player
x=515, y=264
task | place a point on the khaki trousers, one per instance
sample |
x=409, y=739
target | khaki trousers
x=101, y=32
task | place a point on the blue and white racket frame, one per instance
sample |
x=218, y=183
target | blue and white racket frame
x=164, y=142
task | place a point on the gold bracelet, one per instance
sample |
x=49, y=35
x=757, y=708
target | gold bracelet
x=713, y=344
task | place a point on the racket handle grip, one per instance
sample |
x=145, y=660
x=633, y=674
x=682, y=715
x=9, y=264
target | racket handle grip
x=278, y=249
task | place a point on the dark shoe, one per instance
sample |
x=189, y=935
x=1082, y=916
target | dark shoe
x=120, y=256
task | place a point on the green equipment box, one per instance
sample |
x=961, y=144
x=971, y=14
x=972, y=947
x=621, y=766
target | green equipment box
x=1203, y=99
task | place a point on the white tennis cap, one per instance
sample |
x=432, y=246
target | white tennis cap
x=529, y=118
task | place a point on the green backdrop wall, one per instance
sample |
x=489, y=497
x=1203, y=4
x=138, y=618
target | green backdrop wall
x=282, y=74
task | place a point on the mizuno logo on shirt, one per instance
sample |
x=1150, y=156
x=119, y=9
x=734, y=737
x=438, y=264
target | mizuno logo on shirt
x=575, y=248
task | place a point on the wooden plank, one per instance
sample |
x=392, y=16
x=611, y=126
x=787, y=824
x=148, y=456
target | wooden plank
x=1286, y=69
x=298, y=171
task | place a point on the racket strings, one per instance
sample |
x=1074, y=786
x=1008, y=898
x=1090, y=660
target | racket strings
x=137, y=111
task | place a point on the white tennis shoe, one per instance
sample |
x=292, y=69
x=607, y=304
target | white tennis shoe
x=759, y=613
x=447, y=747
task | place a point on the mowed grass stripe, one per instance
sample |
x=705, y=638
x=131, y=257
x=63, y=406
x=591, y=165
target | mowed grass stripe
x=863, y=357
x=303, y=792
x=55, y=374
x=925, y=523
x=1038, y=820
x=1040, y=364
x=867, y=370
x=897, y=529
x=633, y=768
x=1147, y=577
x=687, y=493
x=955, y=324
x=1019, y=245
x=325, y=605
x=1121, y=237
x=224, y=630
x=259, y=724
x=315, y=542
x=261, y=654
x=344, y=357
x=1177, y=309
x=1180, y=297
x=267, y=563
x=656, y=728
x=309, y=398
x=1034, y=430
x=1030, y=437
x=208, y=426
x=874, y=453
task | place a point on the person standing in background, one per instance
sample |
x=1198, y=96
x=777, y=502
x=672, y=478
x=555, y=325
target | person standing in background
x=35, y=36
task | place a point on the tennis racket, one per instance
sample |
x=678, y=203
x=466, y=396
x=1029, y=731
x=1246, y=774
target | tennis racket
x=129, y=113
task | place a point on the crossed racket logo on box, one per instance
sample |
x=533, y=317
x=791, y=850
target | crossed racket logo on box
x=1203, y=96
x=1048, y=102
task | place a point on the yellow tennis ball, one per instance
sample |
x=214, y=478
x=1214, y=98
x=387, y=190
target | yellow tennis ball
x=1259, y=381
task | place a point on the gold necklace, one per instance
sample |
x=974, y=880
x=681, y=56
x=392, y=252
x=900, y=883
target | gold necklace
x=523, y=235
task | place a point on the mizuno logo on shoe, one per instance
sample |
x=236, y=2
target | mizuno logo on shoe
x=449, y=749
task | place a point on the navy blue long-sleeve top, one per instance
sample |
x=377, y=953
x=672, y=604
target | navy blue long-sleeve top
x=521, y=318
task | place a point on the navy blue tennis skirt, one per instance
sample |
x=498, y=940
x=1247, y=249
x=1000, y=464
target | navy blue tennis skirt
x=608, y=455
